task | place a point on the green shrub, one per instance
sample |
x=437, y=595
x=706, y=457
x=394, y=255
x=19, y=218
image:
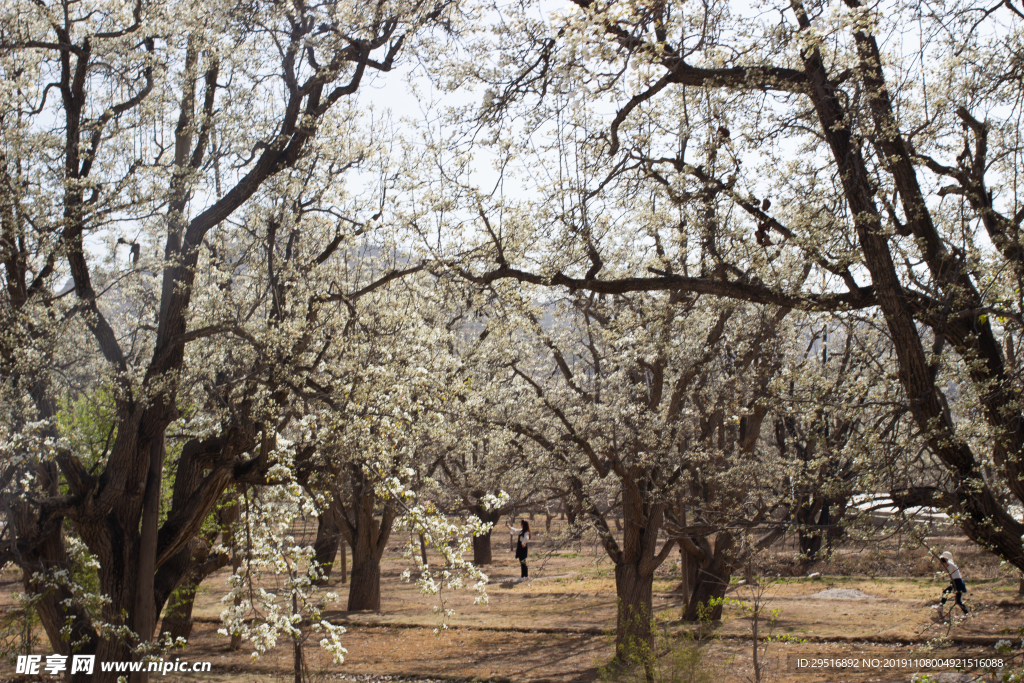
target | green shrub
x=673, y=659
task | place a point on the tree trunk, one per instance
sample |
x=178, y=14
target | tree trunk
x=177, y=620
x=181, y=599
x=117, y=582
x=328, y=538
x=236, y=564
x=635, y=564
x=115, y=539
x=835, y=531
x=713, y=574
x=343, y=554
x=684, y=573
x=810, y=546
x=178, y=616
x=755, y=619
x=711, y=584
x=482, y=549
x=423, y=550
x=809, y=535
x=145, y=613
x=364, y=589
x=482, y=544
x=177, y=579
x=297, y=664
x=368, y=538
x=634, y=592
x=195, y=563
x=56, y=607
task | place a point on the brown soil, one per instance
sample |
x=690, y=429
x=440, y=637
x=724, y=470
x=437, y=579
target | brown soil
x=556, y=626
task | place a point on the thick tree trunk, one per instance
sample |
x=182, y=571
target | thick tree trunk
x=177, y=621
x=56, y=606
x=635, y=563
x=367, y=537
x=634, y=592
x=835, y=531
x=145, y=613
x=810, y=546
x=114, y=538
x=174, y=598
x=711, y=585
x=482, y=549
x=714, y=571
x=809, y=535
x=118, y=579
x=178, y=579
x=685, y=579
x=482, y=544
x=364, y=589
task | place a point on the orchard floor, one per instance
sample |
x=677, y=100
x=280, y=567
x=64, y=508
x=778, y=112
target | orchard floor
x=557, y=626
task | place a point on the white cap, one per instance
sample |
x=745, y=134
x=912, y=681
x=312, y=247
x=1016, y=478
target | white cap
x=946, y=556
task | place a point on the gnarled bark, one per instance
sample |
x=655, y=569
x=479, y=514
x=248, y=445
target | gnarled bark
x=635, y=562
x=367, y=535
x=713, y=571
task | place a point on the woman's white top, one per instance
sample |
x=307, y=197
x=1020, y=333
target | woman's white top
x=526, y=534
x=954, y=573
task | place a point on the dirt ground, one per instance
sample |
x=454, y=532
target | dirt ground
x=557, y=625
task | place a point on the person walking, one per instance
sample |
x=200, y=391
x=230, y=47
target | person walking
x=522, y=546
x=956, y=582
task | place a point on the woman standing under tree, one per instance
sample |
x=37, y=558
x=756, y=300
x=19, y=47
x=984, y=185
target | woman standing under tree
x=522, y=544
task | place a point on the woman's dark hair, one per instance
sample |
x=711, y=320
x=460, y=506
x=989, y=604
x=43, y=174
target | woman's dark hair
x=526, y=525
